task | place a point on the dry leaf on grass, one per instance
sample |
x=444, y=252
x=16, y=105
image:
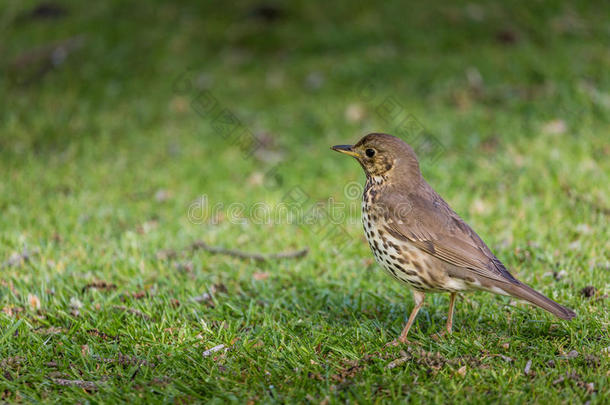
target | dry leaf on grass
x=99, y=285
x=87, y=385
x=11, y=362
x=101, y=335
x=51, y=330
x=396, y=363
x=572, y=354
x=34, y=302
x=462, y=371
x=213, y=350
x=261, y=275
x=12, y=310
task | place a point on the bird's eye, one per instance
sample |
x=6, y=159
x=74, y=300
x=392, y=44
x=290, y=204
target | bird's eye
x=370, y=152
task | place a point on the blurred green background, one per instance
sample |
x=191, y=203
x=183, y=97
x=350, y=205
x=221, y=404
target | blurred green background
x=113, y=124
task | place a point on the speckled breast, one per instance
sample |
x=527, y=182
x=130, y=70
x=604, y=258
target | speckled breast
x=401, y=260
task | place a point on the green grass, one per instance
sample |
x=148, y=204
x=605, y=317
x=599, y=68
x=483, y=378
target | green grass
x=101, y=158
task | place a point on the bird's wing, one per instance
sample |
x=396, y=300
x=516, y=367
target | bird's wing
x=428, y=222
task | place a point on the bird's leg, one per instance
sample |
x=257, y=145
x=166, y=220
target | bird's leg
x=450, y=315
x=447, y=330
x=419, y=301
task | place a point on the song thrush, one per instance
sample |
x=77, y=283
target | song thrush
x=419, y=240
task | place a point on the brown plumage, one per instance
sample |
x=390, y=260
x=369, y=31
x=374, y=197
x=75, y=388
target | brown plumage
x=419, y=240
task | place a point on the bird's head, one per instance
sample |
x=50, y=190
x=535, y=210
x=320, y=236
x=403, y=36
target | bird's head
x=383, y=155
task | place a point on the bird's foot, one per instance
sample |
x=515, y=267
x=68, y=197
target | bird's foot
x=400, y=342
x=441, y=335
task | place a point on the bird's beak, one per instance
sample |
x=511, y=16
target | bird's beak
x=347, y=149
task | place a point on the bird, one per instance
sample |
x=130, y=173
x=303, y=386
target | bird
x=419, y=240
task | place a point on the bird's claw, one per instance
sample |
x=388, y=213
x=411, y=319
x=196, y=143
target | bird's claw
x=441, y=335
x=399, y=342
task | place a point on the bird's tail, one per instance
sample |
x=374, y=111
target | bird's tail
x=527, y=293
